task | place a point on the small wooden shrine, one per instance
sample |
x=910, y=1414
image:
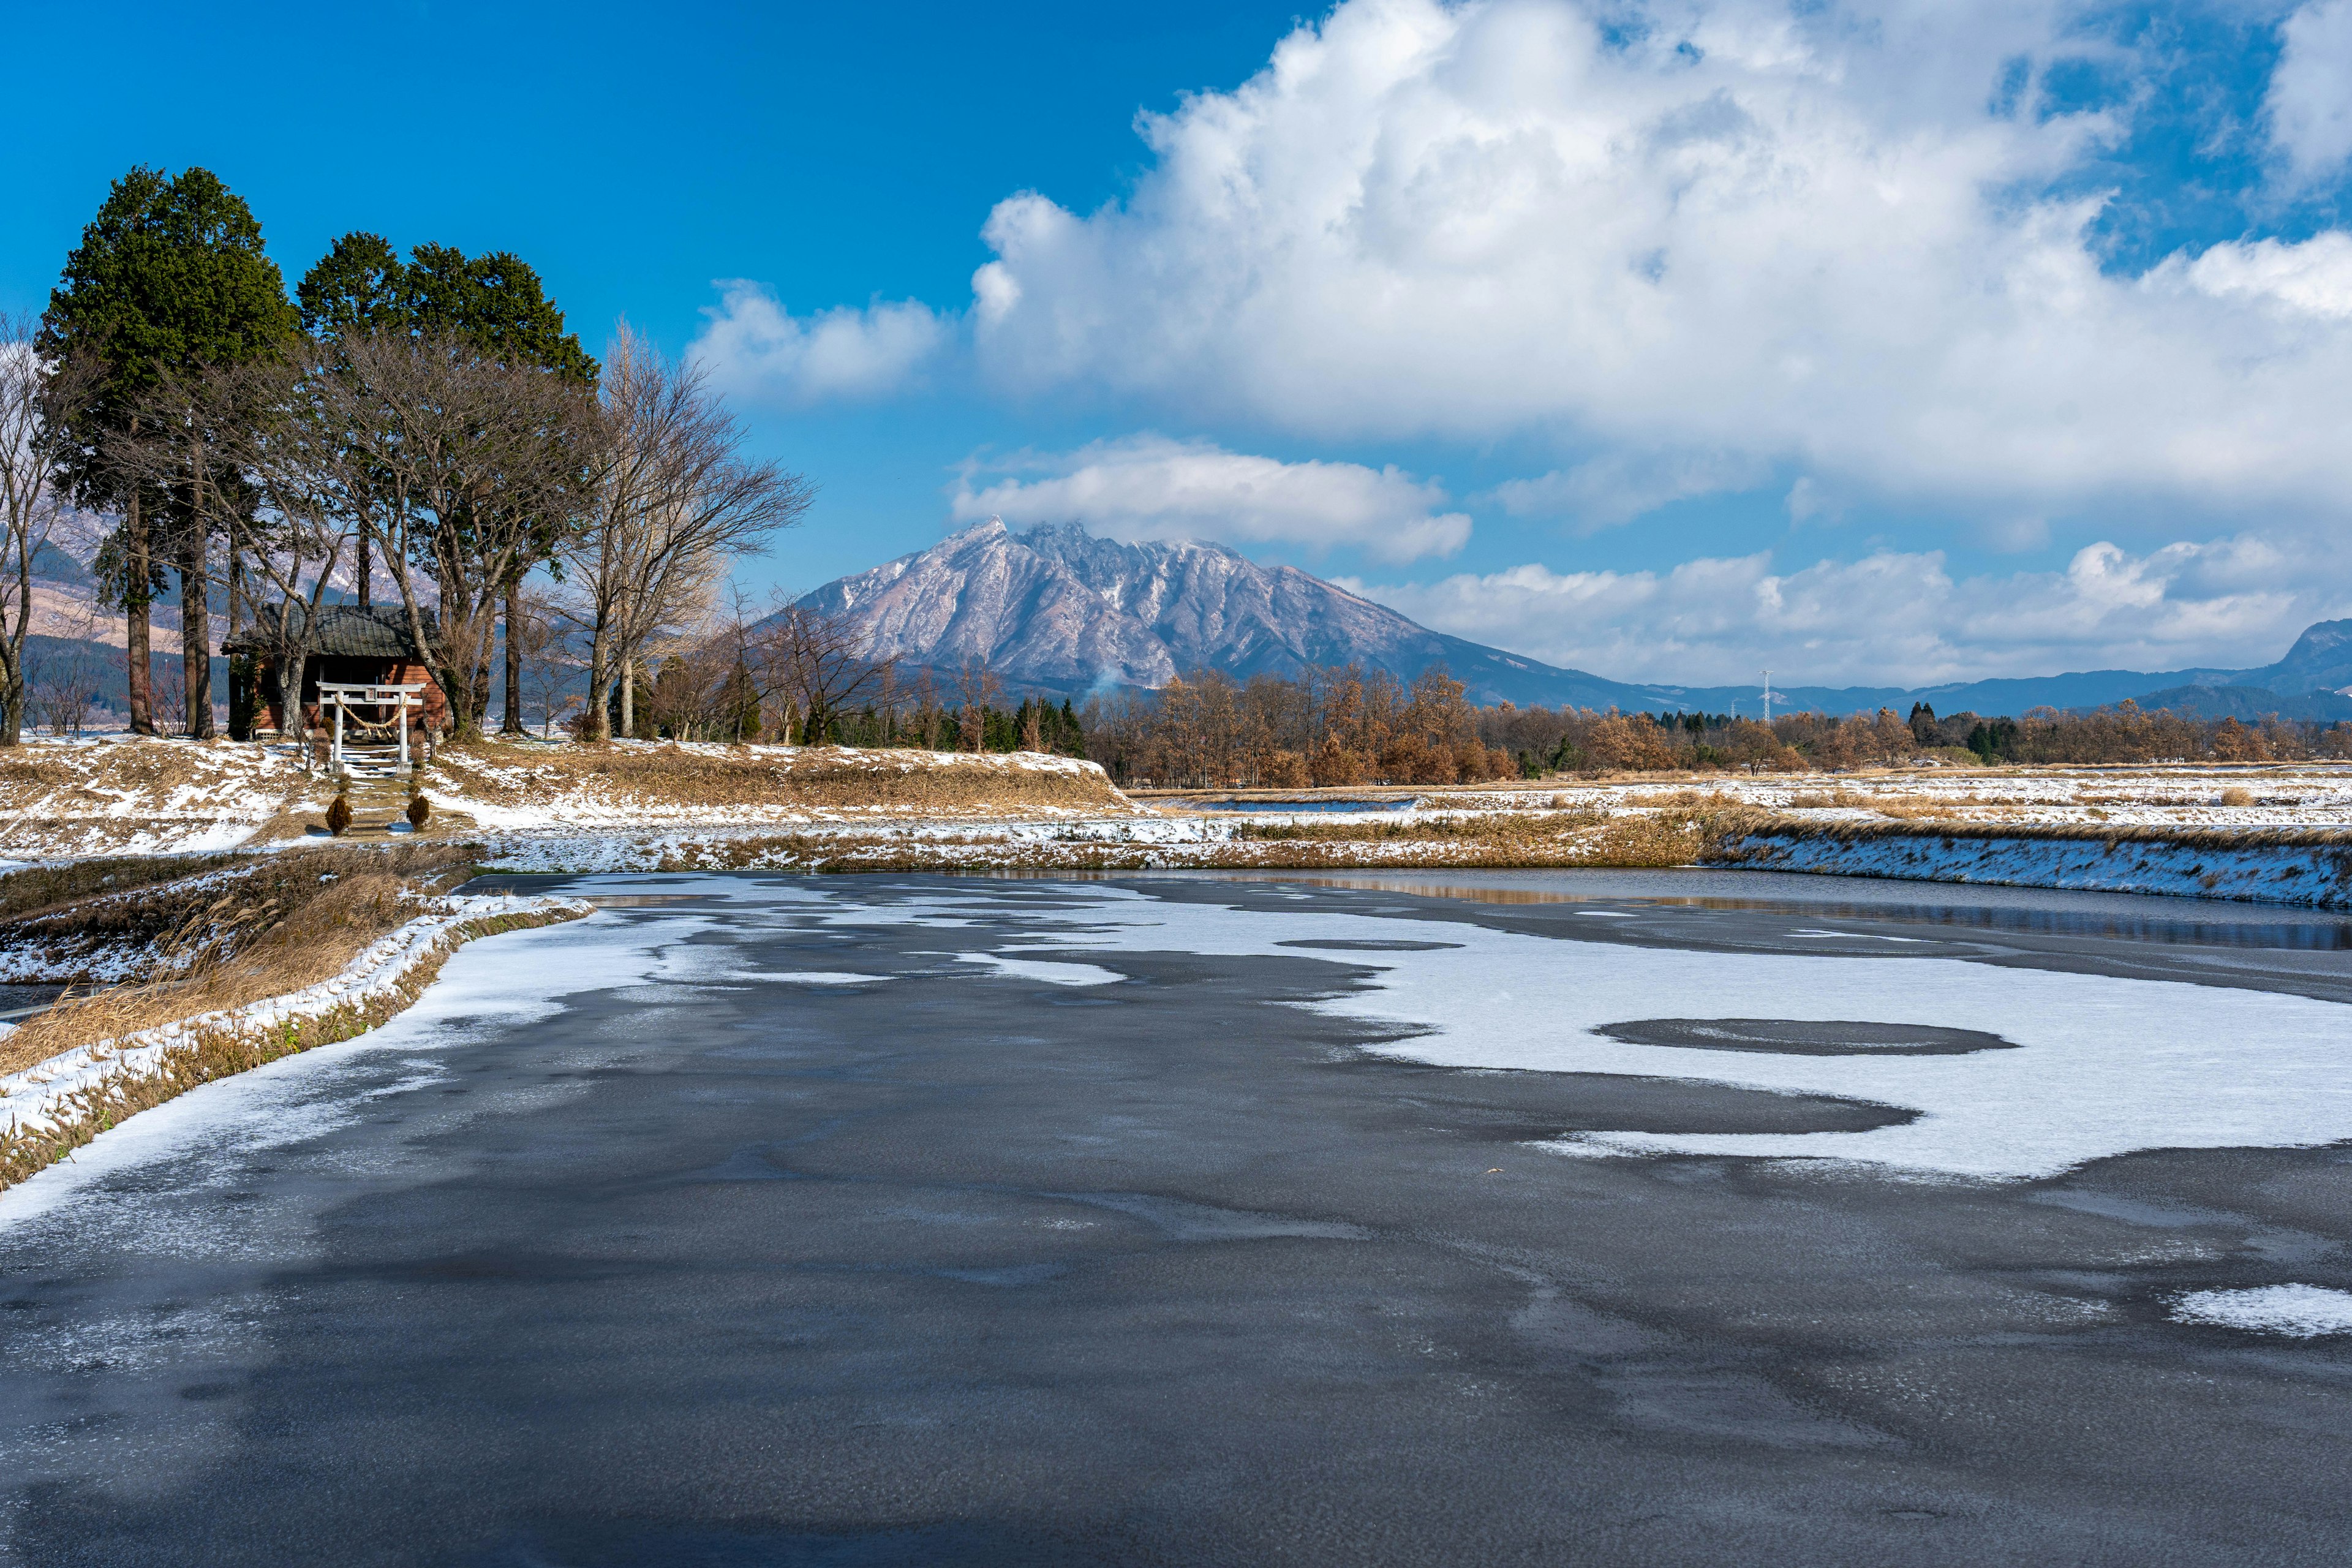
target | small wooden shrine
x=363, y=681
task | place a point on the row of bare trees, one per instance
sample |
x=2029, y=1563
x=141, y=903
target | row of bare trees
x=1332, y=726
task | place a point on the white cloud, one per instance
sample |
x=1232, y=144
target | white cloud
x=753, y=347
x=1620, y=486
x=2310, y=98
x=1148, y=486
x=1892, y=618
x=2312, y=279
x=1771, y=232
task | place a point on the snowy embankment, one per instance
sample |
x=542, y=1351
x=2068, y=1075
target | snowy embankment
x=75, y=1085
x=2312, y=868
x=67, y=799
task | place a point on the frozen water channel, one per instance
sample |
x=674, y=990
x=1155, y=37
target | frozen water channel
x=1655, y=1217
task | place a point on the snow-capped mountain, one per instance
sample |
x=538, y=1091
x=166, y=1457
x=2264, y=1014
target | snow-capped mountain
x=1059, y=608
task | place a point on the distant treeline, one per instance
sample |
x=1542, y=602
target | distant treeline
x=1339, y=726
x=795, y=679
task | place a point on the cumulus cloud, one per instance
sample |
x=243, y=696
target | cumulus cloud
x=1891, y=618
x=1148, y=487
x=2310, y=98
x=756, y=349
x=1768, y=231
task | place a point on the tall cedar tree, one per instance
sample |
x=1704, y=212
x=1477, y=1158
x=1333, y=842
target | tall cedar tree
x=170, y=277
x=495, y=302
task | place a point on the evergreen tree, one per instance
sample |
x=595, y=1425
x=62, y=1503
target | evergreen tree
x=170, y=277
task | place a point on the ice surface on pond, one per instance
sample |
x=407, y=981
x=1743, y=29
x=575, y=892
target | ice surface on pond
x=2304, y=1312
x=2105, y=1065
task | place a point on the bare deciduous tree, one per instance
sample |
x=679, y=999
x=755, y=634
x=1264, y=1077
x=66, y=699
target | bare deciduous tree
x=977, y=687
x=549, y=665
x=818, y=662
x=61, y=686
x=33, y=495
x=459, y=467
x=675, y=508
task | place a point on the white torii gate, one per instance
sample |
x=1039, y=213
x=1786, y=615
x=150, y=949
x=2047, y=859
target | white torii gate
x=342, y=695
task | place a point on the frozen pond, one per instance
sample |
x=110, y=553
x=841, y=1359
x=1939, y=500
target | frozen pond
x=1677, y=1217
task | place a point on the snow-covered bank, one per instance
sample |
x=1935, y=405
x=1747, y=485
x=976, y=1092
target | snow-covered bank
x=62, y=1101
x=2305, y=867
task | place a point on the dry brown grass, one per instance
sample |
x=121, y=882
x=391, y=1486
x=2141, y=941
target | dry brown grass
x=648, y=776
x=37, y=888
x=234, y=934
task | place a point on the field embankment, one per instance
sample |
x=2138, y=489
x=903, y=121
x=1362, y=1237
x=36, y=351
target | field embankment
x=1526, y=838
x=2284, y=865
x=628, y=783
x=232, y=962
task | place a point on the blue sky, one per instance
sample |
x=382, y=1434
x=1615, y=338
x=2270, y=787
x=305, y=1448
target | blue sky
x=1667, y=340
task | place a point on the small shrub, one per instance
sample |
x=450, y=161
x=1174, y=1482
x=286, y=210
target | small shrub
x=420, y=810
x=2236, y=796
x=339, y=814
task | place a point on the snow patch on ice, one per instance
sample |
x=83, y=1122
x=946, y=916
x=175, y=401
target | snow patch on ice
x=808, y=976
x=2304, y=1312
x=1050, y=973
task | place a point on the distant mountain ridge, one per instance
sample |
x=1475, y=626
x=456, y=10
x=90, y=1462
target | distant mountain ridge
x=1058, y=609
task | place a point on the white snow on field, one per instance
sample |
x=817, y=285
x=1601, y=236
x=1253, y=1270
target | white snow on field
x=2106, y=1065
x=2304, y=1312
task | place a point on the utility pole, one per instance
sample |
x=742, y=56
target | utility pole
x=1768, y=697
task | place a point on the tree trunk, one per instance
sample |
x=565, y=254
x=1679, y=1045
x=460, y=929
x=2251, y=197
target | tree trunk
x=12, y=649
x=512, y=723
x=136, y=668
x=596, y=724
x=629, y=699
x=12, y=695
x=196, y=642
x=240, y=669
x=363, y=573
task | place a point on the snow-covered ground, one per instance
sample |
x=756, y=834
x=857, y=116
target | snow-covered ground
x=109, y=795
x=2282, y=795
